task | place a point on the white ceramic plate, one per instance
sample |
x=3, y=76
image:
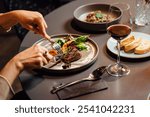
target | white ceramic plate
x=88, y=56
x=111, y=45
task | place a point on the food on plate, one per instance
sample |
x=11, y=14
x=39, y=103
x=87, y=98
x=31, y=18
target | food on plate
x=53, y=52
x=71, y=55
x=126, y=41
x=136, y=45
x=66, y=45
x=131, y=46
x=70, y=47
x=99, y=17
x=144, y=47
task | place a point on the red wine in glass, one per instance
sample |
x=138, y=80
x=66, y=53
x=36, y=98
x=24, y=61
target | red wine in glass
x=118, y=32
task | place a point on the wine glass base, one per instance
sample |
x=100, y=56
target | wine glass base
x=118, y=71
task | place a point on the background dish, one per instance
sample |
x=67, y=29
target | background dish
x=81, y=12
x=88, y=56
x=111, y=45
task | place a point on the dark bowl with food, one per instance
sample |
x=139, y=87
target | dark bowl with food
x=95, y=18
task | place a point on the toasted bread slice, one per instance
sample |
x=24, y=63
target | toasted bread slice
x=144, y=47
x=126, y=41
x=132, y=45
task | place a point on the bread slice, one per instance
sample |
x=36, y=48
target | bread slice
x=126, y=41
x=143, y=48
x=132, y=45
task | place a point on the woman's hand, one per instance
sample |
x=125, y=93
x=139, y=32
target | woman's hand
x=33, y=57
x=32, y=20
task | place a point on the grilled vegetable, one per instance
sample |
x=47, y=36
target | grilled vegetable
x=61, y=42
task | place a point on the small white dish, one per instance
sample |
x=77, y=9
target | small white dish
x=111, y=45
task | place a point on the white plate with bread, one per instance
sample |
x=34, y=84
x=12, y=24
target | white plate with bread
x=136, y=45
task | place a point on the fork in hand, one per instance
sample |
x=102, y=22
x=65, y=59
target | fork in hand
x=55, y=46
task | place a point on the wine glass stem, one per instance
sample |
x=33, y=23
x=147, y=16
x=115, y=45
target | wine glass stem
x=118, y=57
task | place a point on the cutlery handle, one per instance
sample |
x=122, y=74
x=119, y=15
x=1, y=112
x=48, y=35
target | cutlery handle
x=53, y=64
x=50, y=40
x=60, y=87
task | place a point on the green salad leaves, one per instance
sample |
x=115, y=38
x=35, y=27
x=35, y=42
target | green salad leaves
x=99, y=15
x=61, y=42
x=78, y=41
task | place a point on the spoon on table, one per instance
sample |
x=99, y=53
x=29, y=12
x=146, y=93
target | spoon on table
x=95, y=75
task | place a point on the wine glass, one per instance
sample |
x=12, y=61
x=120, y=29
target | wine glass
x=118, y=32
x=127, y=17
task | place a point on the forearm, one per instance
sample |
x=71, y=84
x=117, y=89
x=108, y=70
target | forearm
x=8, y=20
x=7, y=77
x=33, y=57
x=5, y=91
x=11, y=71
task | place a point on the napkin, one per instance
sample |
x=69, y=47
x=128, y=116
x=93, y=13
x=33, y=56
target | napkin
x=80, y=89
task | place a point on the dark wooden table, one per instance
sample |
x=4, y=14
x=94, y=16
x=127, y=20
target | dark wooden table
x=134, y=86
